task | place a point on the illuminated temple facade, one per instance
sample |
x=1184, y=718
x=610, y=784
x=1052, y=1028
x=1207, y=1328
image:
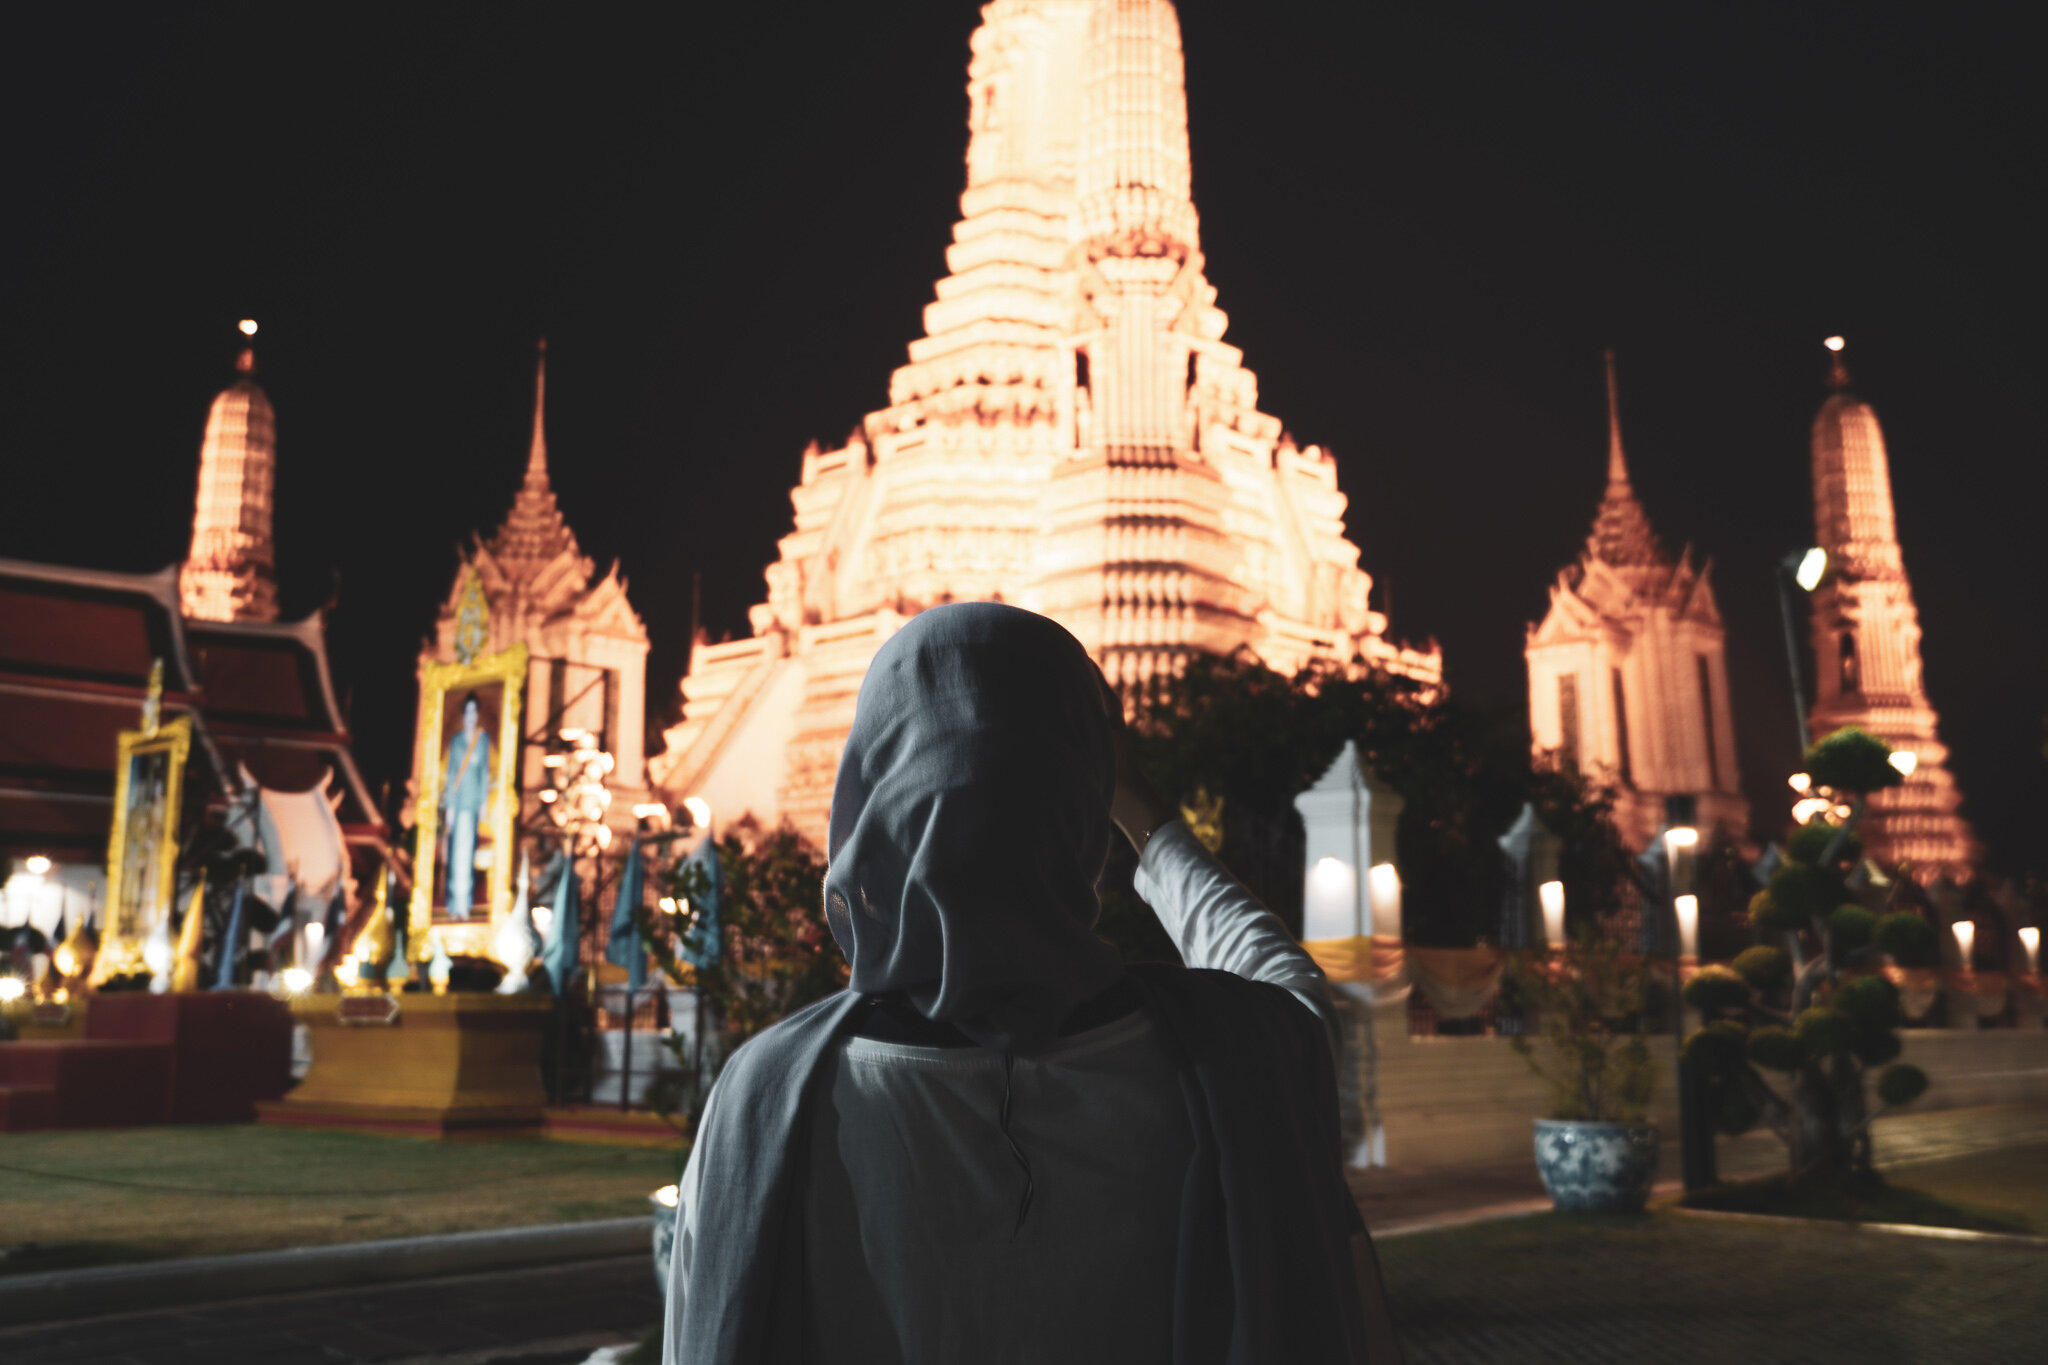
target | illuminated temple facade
x=1071, y=434
x=1866, y=641
x=1627, y=677
x=230, y=574
x=531, y=583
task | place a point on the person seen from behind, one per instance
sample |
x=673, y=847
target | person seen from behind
x=1000, y=1143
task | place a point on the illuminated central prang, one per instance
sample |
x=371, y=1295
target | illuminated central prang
x=1071, y=434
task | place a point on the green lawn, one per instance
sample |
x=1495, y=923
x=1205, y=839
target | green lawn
x=86, y=1197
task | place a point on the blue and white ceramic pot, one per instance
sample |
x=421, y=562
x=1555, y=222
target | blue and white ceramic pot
x=663, y=1205
x=1596, y=1167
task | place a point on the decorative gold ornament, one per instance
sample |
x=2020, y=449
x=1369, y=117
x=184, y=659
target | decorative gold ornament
x=1203, y=815
x=142, y=851
x=472, y=620
x=505, y=672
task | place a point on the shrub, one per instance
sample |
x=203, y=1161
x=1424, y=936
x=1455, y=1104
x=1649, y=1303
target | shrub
x=1765, y=968
x=1909, y=939
x=1810, y=841
x=1716, y=1048
x=1716, y=988
x=1852, y=760
x=1795, y=898
x=1875, y=1047
x=1850, y=927
x=1872, y=1001
x=1901, y=1084
x=1824, y=1031
x=1776, y=1047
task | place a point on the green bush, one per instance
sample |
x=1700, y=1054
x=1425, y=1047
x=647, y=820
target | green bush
x=1850, y=927
x=1716, y=1048
x=1872, y=1001
x=1824, y=1031
x=1776, y=1047
x=1852, y=760
x=1810, y=841
x=1901, y=1084
x=1716, y=988
x=1795, y=898
x=1875, y=1047
x=1765, y=968
x=1907, y=937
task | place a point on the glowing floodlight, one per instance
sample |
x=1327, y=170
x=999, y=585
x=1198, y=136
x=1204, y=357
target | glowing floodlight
x=1688, y=910
x=1383, y=887
x=247, y=327
x=1966, y=938
x=700, y=811
x=1550, y=896
x=1800, y=782
x=666, y=1196
x=1813, y=566
x=1835, y=344
x=1330, y=907
x=297, y=981
x=37, y=864
x=12, y=988
x=1905, y=760
x=2030, y=939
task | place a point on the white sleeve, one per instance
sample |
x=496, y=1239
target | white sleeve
x=1216, y=923
x=687, y=1193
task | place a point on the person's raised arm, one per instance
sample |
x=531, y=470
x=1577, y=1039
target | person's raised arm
x=1211, y=917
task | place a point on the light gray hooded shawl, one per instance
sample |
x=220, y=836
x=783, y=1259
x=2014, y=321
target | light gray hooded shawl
x=969, y=825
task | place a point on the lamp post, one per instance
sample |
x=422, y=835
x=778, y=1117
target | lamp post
x=1695, y=1140
x=1803, y=569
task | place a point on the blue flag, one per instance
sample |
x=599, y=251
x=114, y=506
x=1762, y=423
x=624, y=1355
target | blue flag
x=624, y=947
x=230, y=942
x=564, y=935
x=701, y=944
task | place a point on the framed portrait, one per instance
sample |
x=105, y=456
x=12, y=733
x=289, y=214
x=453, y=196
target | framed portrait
x=142, y=851
x=467, y=759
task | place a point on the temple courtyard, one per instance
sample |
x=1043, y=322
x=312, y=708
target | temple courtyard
x=1476, y=1271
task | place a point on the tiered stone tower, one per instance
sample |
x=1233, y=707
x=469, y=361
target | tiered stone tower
x=586, y=645
x=230, y=574
x=1866, y=640
x=1627, y=679
x=1071, y=434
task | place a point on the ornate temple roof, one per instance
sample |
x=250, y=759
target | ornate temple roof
x=1622, y=536
x=535, y=535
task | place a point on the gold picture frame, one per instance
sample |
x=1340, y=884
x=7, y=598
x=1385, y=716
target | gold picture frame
x=505, y=674
x=142, y=850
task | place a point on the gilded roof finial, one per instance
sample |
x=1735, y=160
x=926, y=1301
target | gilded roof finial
x=537, y=453
x=1838, y=369
x=1617, y=464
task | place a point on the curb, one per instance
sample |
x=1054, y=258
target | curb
x=98, y=1291
x=2016, y=1239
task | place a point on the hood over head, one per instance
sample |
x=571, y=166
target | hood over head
x=970, y=822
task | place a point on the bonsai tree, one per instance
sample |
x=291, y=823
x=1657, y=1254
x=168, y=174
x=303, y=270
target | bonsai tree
x=1589, y=1002
x=1816, y=1012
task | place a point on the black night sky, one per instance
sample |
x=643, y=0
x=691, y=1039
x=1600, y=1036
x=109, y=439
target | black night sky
x=1425, y=222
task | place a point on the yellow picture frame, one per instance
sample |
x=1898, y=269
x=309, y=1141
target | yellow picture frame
x=142, y=848
x=471, y=937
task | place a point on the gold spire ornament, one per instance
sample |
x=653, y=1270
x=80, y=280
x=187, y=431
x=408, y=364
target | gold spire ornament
x=185, y=968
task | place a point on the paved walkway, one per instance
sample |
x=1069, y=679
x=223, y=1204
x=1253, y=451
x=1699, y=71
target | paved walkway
x=1527, y=1290
x=1678, y=1291
x=551, y=1316
x=1397, y=1202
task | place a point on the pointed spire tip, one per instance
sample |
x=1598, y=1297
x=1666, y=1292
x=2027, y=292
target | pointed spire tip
x=1617, y=463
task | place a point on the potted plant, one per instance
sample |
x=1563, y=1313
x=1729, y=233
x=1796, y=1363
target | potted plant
x=1597, y=1152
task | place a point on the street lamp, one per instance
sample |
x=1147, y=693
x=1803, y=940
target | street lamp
x=2030, y=939
x=1550, y=897
x=1804, y=569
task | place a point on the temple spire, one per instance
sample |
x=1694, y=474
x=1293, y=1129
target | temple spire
x=537, y=452
x=230, y=573
x=1617, y=463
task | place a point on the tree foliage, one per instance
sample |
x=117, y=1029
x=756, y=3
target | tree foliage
x=1816, y=1012
x=1233, y=727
